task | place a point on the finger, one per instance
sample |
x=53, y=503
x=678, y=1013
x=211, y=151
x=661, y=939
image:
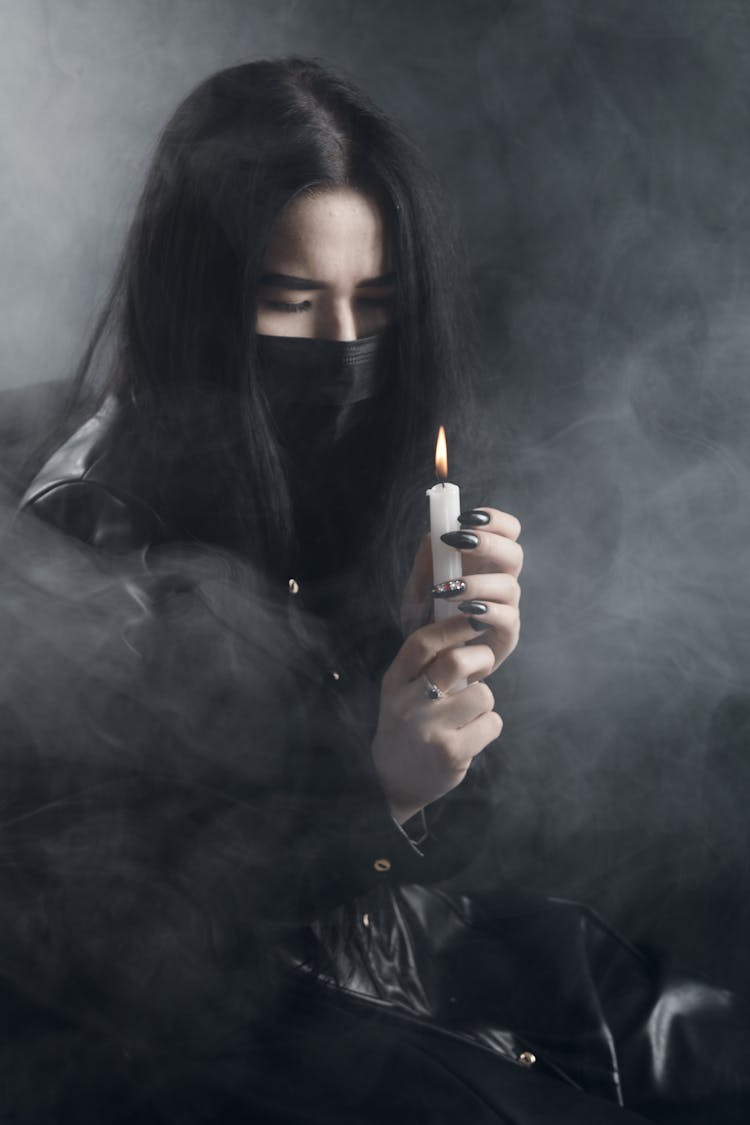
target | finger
x=464, y=745
x=491, y=519
x=484, y=551
x=480, y=732
x=456, y=665
x=414, y=605
x=502, y=588
x=499, y=626
x=422, y=646
x=420, y=571
x=455, y=711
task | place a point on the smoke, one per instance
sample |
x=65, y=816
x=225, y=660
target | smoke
x=619, y=381
x=146, y=805
x=596, y=152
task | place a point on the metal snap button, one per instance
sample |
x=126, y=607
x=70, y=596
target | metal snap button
x=335, y=675
x=365, y=919
x=527, y=1058
x=293, y=586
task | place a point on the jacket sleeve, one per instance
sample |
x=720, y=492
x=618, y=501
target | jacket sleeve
x=350, y=842
x=682, y=1045
x=617, y=1021
x=337, y=837
x=584, y=1004
x=88, y=510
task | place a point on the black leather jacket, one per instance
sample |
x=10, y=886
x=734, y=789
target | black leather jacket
x=541, y=984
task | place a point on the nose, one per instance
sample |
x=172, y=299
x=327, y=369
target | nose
x=340, y=324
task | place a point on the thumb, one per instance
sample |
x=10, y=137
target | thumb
x=416, y=607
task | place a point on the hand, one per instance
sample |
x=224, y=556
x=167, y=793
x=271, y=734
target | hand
x=491, y=570
x=423, y=747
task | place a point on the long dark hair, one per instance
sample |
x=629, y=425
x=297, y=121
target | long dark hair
x=175, y=344
x=179, y=318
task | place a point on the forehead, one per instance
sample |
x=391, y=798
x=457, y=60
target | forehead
x=333, y=235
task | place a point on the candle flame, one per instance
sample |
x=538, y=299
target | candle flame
x=441, y=456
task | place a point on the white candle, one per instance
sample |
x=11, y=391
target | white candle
x=445, y=505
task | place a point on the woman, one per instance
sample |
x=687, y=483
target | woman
x=285, y=335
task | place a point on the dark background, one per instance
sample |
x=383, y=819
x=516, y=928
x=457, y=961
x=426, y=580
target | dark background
x=597, y=156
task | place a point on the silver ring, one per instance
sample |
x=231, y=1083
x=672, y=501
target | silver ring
x=432, y=691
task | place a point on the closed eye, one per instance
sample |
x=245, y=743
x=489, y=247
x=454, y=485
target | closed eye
x=303, y=306
x=288, y=306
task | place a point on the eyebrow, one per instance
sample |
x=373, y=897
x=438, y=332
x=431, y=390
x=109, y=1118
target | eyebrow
x=287, y=281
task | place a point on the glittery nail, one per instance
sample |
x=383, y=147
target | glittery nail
x=449, y=589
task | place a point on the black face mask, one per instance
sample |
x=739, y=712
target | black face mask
x=316, y=388
x=328, y=400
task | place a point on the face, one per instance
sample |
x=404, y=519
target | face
x=326, y=274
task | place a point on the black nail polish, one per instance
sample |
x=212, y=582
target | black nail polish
x=450, y=589
x=474, y=517
x=460, y=539
x=473, y=607
x=478, y=624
